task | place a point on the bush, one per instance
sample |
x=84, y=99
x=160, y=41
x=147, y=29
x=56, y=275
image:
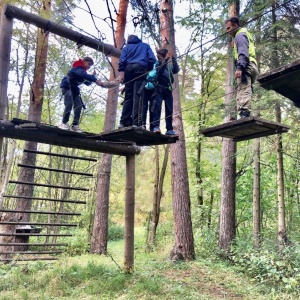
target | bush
x=280, y=269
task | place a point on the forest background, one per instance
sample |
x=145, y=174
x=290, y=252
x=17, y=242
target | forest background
x=202, y=57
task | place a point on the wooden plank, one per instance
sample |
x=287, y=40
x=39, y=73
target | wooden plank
x=34, y=244
x=140, y=136
x=32, y=252
x=65, y=138
x=246, y=129
x=55, y=170
x=284, y=80
x=59, y=155
x=35, y=234
x=37, y=223
x=41, y=212
x=28, y=259
x=49, y=185
x=44, y=199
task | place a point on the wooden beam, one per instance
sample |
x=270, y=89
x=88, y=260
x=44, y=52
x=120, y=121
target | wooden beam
x=50, y=185
x=35, y=234
x=59, y=137
x=53, y=27
x=37, y=223
x=59, y=155
x=44, y=199
x=33, y=244
x=55, y=170
x=129, y=214
x=32, y=252
x=41, y=212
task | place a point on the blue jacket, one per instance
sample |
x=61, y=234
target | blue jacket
x=136, y=52
x=76, y=76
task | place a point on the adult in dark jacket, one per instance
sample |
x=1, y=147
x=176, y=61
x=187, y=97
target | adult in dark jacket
x=167, y=67
x=71, y=92
x=136, y=60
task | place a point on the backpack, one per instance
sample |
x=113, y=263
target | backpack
x=151, y=77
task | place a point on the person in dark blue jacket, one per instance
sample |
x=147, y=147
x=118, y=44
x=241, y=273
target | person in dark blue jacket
x=136, y=60
x=71, y=92
x=167, y=67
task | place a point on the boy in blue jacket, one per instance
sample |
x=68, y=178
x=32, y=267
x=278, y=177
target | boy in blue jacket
x=71, y=92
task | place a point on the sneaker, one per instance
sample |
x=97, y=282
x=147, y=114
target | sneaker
x=171, y=132
x=156, y=129
x=76, y=128
x=121, y=126
x=244, y=114
x=64, y=126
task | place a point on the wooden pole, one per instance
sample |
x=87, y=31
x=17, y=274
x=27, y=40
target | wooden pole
x=80, y=39
x=129, y=214
x=6, y=25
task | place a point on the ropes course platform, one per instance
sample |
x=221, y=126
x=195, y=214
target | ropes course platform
x=246, y=129
x=284, y=80
x=124, y=141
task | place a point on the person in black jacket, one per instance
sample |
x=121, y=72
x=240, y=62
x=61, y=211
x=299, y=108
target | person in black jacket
x=136, y=60
x=167, y=67
x=71, y=92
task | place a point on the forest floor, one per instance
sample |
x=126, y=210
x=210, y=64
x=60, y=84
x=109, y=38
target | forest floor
x=91, y=277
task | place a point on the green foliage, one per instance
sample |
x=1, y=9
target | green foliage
x=115, y=232
x=280, y=269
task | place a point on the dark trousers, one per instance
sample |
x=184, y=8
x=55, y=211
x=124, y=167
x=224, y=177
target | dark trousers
x=166, y=95
x=134, y=78
x=149, y=97
x=71, y=103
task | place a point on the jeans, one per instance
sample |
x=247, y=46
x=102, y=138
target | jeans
x=71, y=102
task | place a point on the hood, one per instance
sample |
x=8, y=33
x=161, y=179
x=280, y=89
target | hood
x=133, y=39
x=79, y=63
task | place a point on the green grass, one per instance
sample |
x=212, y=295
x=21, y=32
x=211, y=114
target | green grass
x=155, y=277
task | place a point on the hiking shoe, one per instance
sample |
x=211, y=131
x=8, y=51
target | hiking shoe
x=64, y=126
x=75, y=128
x=121, y=126
x=156, y=129
x=171, y=132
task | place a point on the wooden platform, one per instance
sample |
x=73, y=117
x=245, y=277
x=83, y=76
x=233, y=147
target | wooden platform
x=123, y=141
x=284, y=80
x=246, y=129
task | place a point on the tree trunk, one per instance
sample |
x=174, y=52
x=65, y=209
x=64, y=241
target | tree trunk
x=227, y=230
x=158, y=189
x=35, y=112
x=184, y=239
x=100, y=229
x=282, y=233
x=256, y=195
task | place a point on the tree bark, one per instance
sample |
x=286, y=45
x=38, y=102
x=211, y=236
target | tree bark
x=100, y=229
x=184, y=239
x=227, y=229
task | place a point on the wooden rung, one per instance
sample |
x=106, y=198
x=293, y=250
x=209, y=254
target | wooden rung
x=33, y=244
x=29, y=259
x=34, y=223
x=55, y=170
x=33, y=252
x=41, y=212
x=49, y=185
x=44, y=199
x=34, y=234
x=60, y=155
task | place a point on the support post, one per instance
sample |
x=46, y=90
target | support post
x=6, y=26
x=129, y=214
